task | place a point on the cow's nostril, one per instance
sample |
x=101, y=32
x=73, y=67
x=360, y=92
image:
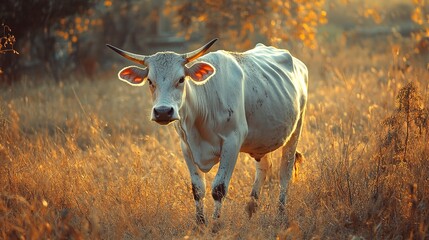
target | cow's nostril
x=155, y=112
x=163, y=113
x=171, y=112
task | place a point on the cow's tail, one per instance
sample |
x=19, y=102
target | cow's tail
x=299, y=158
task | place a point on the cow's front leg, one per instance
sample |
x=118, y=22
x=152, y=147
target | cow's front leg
x=198, y=185
x=199, y=192
x=228, y=158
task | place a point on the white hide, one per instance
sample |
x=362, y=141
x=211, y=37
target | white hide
x=250, y=102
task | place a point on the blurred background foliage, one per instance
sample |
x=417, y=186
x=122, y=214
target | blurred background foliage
x=272, y=21
x=63, y=38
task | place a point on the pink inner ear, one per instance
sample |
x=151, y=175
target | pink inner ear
x=203, y=70
x=138, y=79
x=208, y=68
x=200, y=71
x=130, y=75
x=133, y=75
x=126, y=72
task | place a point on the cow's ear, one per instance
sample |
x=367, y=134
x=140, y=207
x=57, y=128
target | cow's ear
x=133, y=75
x=200, y=72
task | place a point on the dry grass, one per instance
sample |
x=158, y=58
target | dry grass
x=81, y=160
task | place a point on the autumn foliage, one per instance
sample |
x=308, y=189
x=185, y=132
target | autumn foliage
x=274, y=21
x=7, y=40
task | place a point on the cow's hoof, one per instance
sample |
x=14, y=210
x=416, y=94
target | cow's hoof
x=251, y=207
x=200, y=219
x=217, y=226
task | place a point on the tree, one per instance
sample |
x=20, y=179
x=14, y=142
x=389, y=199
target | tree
x=68, y=37
x=35, y=22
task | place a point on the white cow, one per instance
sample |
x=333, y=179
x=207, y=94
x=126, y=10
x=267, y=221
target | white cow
x=254, y=102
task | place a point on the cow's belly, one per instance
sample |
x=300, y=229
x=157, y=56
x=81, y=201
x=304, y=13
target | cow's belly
x=269, y=130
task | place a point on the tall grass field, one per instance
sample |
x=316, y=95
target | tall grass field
x=80, y=159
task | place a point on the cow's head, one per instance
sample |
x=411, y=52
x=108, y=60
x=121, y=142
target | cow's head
x=166, y=73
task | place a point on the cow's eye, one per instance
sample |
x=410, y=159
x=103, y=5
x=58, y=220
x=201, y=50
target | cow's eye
x=182, y=79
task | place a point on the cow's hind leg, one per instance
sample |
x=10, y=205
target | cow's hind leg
x=289, y=155
x=262, y=165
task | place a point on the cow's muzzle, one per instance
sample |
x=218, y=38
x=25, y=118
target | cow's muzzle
x=163, y=115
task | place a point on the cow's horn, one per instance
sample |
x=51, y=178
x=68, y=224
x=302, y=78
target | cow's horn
x=130, y=56
x=199, y=52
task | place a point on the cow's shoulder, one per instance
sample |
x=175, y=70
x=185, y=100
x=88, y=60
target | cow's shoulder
x=229, y=68
x=220, y=57
x=272, y=55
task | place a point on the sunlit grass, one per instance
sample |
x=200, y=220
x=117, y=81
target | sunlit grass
x=81, y=159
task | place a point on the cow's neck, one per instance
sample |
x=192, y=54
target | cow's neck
x=195, y=127
x=195, y=105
